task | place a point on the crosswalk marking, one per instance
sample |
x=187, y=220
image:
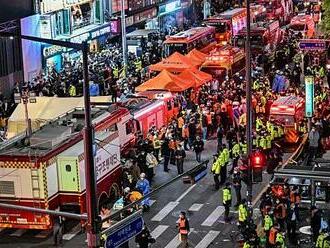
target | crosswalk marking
x=186, y=192
x=195, y=207
x=165, y=211
x=214, y=216
x=158, y=231
x=208, y=239
x=18, y=233
x=152, y=202
x=73, y=232
x=175, y=242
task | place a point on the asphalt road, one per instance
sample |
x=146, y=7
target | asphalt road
x=201, y=202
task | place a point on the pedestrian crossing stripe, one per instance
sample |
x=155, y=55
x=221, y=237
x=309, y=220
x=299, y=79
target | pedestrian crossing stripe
x=208, y=239
x=214, y=216
x=165, y=211
x=175, y=242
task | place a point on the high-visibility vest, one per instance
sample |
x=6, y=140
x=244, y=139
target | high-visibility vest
x=226, y=195
x=235, y=150
x=268, y=141
x=268, y=222
x=244, y=148
x=262, y=142
x=323, y=241
x=72, y=90
x=216, y=167
x=115, y=72
x=246, y=245
x=242, y=213
x=280, y=240
x=259, y=124
x=226, y=155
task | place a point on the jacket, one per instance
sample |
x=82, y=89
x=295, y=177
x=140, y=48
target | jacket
x=226, y=196
x=242, y=213
x=183, y=225
x=216, y=167
x=268, y=223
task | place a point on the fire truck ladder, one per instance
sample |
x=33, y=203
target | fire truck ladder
x=35, y=187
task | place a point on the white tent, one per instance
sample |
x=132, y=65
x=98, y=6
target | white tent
x=45, y=109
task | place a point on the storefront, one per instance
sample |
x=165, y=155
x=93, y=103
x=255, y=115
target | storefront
x=173, y=14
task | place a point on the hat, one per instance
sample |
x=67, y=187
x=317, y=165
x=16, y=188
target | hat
x=142, y=175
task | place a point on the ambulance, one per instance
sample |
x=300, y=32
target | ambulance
x=289, y=112
x=224, y=61
x=227, y=24
x=47, y=170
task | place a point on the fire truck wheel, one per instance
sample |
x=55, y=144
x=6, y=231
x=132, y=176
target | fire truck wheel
x=114, y=193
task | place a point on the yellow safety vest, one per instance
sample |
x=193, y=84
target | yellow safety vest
x=226, y=195
x=242, y=213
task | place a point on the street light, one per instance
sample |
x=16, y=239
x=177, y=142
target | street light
x=26, y=97
x=248, y=100
x=123, y=35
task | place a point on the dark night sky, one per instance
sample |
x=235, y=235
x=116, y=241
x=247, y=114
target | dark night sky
x=14, y=9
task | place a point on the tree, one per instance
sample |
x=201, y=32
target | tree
x=325, y=24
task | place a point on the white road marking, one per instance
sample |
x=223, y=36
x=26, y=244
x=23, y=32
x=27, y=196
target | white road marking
x=175, y=242
x=73, y=232
x=158, y=231
x=18, y=233
x=165, y=211
x=195, y=207
x=208, y=239
x=152, y=202
x=186, y=192
x=214, y=216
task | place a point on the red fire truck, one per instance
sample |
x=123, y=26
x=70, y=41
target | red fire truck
x=289, y=111
x=47, y=170
x=281, y=10
x=227, y=24
x=224, y=61
x=303, y=24
x=265, y=36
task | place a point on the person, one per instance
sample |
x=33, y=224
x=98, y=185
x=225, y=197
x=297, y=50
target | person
x=58, y=230
x=144, y=187
x=166, y=152
x=268, y=223
x=237, y=183
x=183, y=228
x=280, y=213
x=144, y=238
x=226, y=199
x=152, y=162
x=274, y=230
x=242, y=212
x=180, y=155
x=323, y=240
x=216, y=171
x=314, y=138
x=198, y=147
x=292, y=223
x=315, y=222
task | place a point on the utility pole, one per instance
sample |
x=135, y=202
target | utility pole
x=123, y=35
x=91, y=200
x=248, y=100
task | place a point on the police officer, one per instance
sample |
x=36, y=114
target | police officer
x=223, y=171
x=237, y=183
x=226, y=200
x=268, y=223
x=323, y=240
x=216, y=167
x=242, y=212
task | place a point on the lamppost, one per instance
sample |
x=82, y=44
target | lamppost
x=123, y=35
x=248, y=99
x=26, y=97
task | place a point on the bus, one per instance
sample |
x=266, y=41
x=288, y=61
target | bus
x=201, y=38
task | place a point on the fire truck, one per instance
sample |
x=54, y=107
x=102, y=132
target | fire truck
x=289, y=112
x=265, y=36
x=258, y=12
x=224, y=61
x=47, y=169
x=227, y=24
x=281, y=10
x=303, y=24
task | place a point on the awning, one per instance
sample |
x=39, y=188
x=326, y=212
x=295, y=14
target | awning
x=196, y=76
x=196, y=55
x=165, y=81
x=175, y=63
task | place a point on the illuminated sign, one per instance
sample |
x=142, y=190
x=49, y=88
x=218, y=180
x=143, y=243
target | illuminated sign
x=169, y=7
x=45, y=27
x=309, y=92
x=312, y=44
x=52, y=50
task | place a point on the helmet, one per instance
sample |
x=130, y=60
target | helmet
x=127, y=190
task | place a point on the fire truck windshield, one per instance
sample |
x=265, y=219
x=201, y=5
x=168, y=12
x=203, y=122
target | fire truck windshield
x=176, y=47
x=298, y=27
x=222, y=27
x=256, y=41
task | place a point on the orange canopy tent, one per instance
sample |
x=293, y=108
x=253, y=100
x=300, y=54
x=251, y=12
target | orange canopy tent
x=196, y=55
x=165, y=81
x=197, y=77
x=175, y=63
